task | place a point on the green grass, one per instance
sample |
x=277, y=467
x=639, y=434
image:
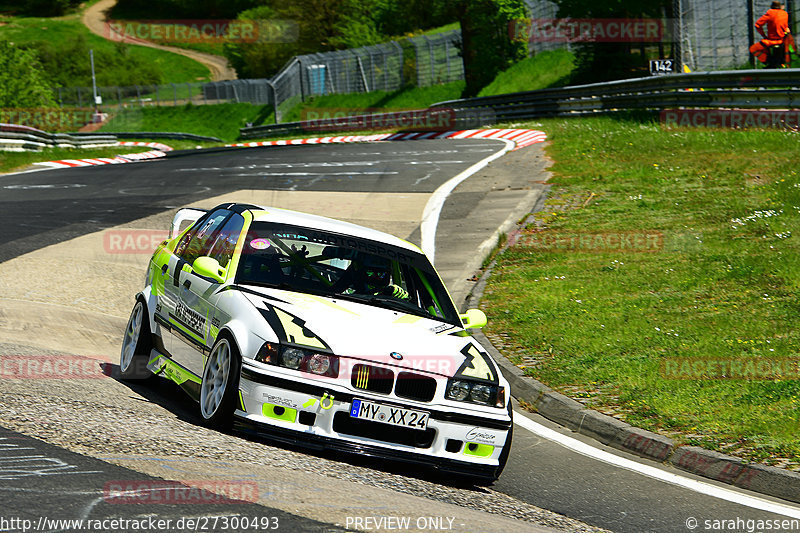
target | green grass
x=221, y=120
x=224, y=120
x=62, y=32
x=600, y=324
x=545, y=69
x=408, y=98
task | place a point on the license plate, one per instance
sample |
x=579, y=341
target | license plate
x=387, y=414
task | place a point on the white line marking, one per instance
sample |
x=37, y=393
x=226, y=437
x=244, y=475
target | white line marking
x=433, y=209
x=264, y=174
x=48, y=186
x=653, y=472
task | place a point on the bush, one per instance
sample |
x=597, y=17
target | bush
x=22, y=80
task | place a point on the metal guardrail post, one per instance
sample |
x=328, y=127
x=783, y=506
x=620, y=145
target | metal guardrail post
x=363, y=76
x=751, y=30
x=300, y=77
x=400, y=51
x=430, y=54
x=274, y=102
x=371, y=69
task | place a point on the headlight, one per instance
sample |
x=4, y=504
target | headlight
x=318, y=364
x=292, y=358
x=458, y=390
x=299, y=359
x=462, y=390
x=481, y=393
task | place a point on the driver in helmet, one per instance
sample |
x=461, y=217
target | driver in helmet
x=376, y=280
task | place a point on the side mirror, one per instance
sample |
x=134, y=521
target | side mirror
x=209, y=268
x=473, y=318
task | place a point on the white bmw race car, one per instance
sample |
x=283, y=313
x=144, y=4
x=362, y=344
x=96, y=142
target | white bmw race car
x=319, y=333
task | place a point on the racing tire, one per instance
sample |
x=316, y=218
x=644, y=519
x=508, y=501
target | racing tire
x=136, y=345
x=219, y=387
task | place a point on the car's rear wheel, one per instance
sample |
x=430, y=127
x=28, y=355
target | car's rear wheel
x=220, y=384
x=136, y=345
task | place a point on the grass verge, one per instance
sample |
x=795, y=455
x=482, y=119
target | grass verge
x=64, y=40
x=615, y=327
x=545, y=69
x=407, y=98
x=220, y=120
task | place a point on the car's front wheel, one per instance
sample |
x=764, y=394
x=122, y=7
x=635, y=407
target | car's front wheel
x=136, y=345
x=220, y=384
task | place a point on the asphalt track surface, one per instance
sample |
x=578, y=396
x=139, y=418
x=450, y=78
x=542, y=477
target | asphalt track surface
x=39, y=481
x=42, y=208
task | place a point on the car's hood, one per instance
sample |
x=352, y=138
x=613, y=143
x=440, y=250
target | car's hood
x=361, y=331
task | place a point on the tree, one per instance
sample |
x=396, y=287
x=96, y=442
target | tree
x=606, y=61
x=41, y=8
x=22, y=80
x=488, y=46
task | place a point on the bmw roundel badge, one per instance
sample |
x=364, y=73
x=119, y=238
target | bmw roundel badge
x=396, y=355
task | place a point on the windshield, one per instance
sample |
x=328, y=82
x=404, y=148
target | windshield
x=342, y=266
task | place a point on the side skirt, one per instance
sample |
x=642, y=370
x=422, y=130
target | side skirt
x=161, y=365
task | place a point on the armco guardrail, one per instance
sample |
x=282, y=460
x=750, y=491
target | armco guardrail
x=411, y=120
x=736, y=89
x=155, y=135
x=16, y=138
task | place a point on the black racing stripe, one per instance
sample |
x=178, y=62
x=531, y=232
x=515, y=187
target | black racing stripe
x=316, y=390
x=176, y=275
x=187, y=326
x=468, y=364
x=250, y=291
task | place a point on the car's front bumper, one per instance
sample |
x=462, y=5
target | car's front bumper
x=318, y=415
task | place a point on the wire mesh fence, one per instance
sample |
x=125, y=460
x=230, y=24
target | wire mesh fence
x=710, y=34
x=704, y=35
x=420, y=61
